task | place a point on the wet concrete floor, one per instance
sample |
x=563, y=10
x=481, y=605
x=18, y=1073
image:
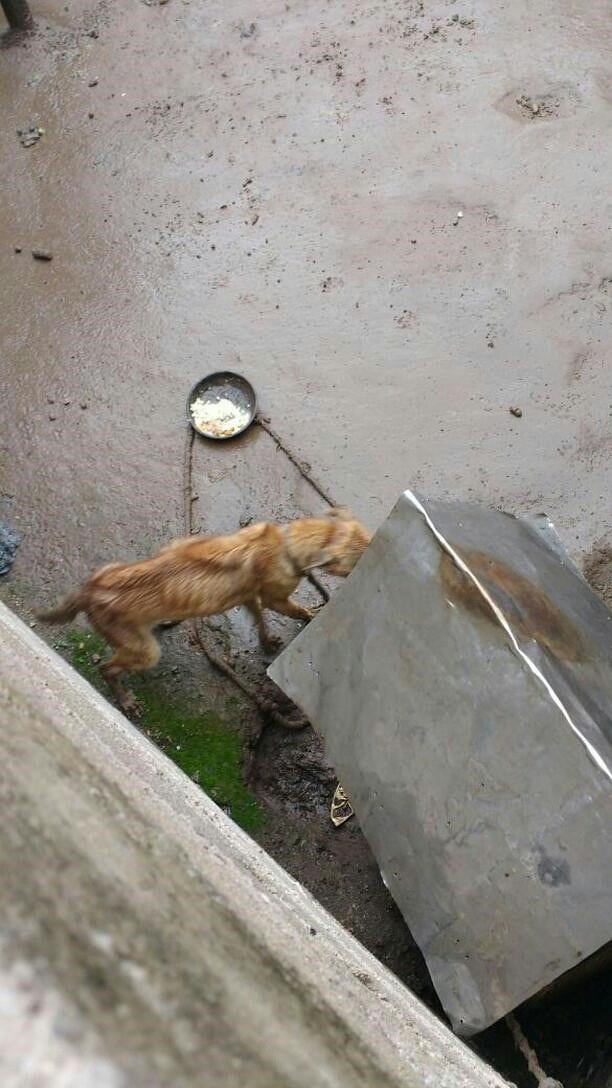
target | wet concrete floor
x=394, y=218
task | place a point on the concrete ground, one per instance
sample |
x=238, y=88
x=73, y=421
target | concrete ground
x=147, y=942
x=393, y=218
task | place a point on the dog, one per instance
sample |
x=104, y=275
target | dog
x=259, y=566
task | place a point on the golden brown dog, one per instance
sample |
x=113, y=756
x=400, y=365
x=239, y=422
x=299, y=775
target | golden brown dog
x=259, y=567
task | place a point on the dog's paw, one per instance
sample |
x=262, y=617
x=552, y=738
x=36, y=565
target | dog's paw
x=130, y=705
x=272, y=645
x=314, y=611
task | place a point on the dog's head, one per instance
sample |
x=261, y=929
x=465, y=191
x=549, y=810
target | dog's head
x=333, y=543
x=346, y=545
x=343, y=540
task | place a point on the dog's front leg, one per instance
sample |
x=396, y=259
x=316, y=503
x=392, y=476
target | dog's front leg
x=269, y=642
x=291, y=608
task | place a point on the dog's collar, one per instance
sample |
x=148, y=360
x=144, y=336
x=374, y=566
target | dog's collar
x=298, y=571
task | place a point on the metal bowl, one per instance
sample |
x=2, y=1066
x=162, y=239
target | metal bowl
x=232, y=418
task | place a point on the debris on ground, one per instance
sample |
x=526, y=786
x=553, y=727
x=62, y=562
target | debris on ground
x=537, y=106
x=9, y=542
x=462, y=682
x=42, y=255
x=341, y=808
x=30, y=135
x=518, y=412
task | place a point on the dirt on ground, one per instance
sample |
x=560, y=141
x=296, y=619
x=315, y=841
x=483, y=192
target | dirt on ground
x=597, y=569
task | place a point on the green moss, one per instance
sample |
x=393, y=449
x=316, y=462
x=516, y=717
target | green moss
x=83, y=651
x=200, y=743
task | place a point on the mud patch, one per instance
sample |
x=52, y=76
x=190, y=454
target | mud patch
x=593, y=445
x=577, y=366
x=293, y=775
x=558, y=101
x=296, y=784
x=597, y=569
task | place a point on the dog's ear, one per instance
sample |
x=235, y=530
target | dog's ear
x=341, y=513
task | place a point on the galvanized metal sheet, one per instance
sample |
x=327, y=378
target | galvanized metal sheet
x=462, y=680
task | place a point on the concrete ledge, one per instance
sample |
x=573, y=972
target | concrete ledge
x=145, y=940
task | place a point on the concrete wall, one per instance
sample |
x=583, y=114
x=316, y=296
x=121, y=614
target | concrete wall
x=146, y=941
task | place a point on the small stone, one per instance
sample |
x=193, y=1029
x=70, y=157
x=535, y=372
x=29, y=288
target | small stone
x=17, y=249
x=30, y=135
x=96, y=659
x=313, y=931
x=93, y=83
x=84, y=405
x=52, y=418
x=66, y=404
x=50, y=400
x=516, y=412
x=92, y=34
x=91, y=116
x=42, y=255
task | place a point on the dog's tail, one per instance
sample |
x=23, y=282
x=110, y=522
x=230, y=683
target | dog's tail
x=66, y=610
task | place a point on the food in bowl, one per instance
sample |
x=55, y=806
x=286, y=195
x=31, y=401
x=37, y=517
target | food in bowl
x=220, y=418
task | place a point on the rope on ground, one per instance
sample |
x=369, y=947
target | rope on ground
x=302, y=468
x=530, y=1055
x=188, y=496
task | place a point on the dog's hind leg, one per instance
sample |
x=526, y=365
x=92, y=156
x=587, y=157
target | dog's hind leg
x=136, y=649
